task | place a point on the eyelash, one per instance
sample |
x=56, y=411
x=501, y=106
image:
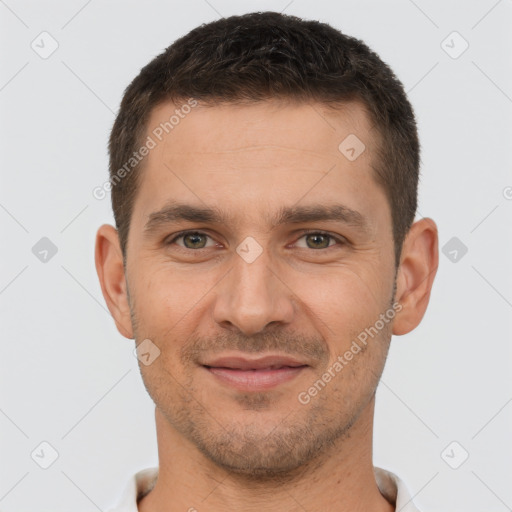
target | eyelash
x=340, y=240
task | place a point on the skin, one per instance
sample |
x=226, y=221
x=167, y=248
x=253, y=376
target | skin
x=304, y=296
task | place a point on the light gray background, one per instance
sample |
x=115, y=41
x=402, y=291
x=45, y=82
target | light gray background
x=70, y=379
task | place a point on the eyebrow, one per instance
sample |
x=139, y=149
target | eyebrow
x=179, y=212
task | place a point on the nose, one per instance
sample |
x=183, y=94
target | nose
x=252, y=296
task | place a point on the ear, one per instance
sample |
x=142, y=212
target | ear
x=110, y=270
x=418, y=267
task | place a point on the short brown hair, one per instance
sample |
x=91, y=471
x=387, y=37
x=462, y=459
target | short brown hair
x=261, y=56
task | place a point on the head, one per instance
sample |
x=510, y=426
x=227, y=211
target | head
x=289, y=154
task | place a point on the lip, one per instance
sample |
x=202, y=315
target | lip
x=243, y=363
x=258, y=374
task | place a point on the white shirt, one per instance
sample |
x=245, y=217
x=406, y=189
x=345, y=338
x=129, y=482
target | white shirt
x=390, y=486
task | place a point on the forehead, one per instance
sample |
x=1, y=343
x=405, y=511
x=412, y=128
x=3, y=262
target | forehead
x=303, y=127
x=268, y=154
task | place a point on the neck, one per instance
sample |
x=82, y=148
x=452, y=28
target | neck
x=339, y=480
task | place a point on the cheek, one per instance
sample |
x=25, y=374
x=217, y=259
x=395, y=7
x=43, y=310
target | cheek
x=165, y=296
x=344, y=300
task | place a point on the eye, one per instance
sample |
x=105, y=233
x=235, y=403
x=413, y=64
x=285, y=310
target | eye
x=191, y=240
x=319, y=240
x=196, y=240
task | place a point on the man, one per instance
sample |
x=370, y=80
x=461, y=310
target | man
x=264, y=176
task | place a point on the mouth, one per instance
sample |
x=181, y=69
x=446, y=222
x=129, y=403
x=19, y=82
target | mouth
x=254, y=374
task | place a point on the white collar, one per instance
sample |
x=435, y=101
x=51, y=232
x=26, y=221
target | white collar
x=390, y=486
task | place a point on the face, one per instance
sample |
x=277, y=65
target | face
x=254, y=236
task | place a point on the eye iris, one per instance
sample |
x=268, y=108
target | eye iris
x=198, y=241
x=318, y=238
x=195, y=239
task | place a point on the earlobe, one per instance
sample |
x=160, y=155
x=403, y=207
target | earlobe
x=418, y=267
x=110, y=270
